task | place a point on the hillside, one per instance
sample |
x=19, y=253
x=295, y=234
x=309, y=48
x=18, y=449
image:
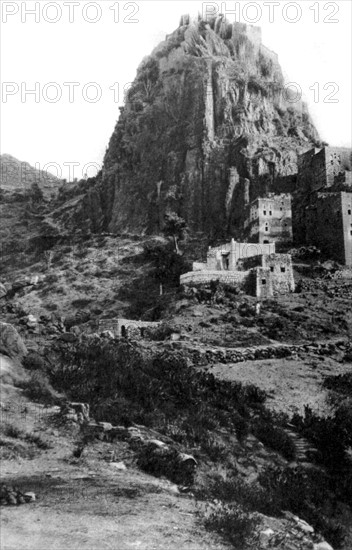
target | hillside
x=16, y=175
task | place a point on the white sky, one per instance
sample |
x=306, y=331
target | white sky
x=108, y=52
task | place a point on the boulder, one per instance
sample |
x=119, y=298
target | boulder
x=265, y=536
x=68, y=337
x=119, y=466
x=80, y=408
x=305, y=526
x=11, y=343
x=31, y=321
x=3, y=291
x=30, y=497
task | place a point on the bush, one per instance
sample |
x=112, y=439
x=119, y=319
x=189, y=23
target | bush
x=33, y=361
x=274, y=437
x=231, y=521
x=38, y=388
x=306, y=493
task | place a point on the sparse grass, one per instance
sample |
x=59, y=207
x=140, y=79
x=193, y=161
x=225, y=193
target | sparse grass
x=13, y=431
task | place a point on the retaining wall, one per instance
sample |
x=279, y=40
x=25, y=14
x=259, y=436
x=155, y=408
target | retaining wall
x=227, y=277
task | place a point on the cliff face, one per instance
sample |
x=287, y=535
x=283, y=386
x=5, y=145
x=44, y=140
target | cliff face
x=207, y=126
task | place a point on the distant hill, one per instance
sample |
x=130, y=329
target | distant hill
x=18, y=175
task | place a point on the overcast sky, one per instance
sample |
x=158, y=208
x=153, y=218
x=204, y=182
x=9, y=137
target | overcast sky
x=312, y=39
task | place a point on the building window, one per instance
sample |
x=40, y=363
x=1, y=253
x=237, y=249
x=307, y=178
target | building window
x=266, y=228
x=263, y=281
x=349, y=212
x=264, y=212
x=283, y=269
x=270, y=213
x=265, y=242
x=272, y=269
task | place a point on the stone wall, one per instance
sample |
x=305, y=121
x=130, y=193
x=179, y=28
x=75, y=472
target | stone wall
x=203, y=356
x=281, y=272
x=329, y=225
x=126, y=328
x=226, y=277
x=263, y=283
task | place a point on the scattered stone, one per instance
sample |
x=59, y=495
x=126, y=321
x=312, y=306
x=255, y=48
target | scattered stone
x=3, y=291
x=265, y=536
x=10, y=496
x=34, y=280
x=68, y=337
x=30, y=497
x=322, y=546
x=119, y=466
x=108, y=334
x=305, y=526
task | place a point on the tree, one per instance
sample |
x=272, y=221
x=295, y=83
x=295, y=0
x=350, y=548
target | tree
x=175, y=227
x=36, y=194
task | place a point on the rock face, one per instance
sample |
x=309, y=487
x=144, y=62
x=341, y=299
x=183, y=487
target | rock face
x=11, y=342
x=208, y=124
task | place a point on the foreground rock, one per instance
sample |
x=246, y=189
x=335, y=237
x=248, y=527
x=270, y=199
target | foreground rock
x=11, y=343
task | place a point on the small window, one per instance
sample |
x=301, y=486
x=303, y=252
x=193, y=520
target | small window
x=272, y=269
x=283, y=269
x=266, y=228
x=265, y=242
x=263, y=281
x=264, y=212
x=351, y=233
x=349, y=212
x=270, y=213
x=281, y=208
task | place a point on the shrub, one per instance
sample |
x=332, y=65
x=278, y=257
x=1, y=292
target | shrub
x=51, y=278
x=33, y=361
x=231, y=521
x=275, y=437
x=304, y=493
x=38, y=388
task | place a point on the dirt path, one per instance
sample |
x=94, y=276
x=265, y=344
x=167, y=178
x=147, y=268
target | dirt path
x=89, y=503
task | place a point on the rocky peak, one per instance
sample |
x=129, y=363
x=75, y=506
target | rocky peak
x=207, y=125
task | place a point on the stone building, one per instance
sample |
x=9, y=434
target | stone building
x=127, y=328
x=329, y=225
x=226, y=256
x=269, y=219
x=253, y=267
x=322, y=204
x=320, y=168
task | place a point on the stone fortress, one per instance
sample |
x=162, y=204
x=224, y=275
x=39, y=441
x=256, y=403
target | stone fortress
x=322, y=204
x=318, y=212
x=269, y=219
x=254, y=267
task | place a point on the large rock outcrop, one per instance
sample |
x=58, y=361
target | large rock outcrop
x=11, y=343
x=207, y=125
